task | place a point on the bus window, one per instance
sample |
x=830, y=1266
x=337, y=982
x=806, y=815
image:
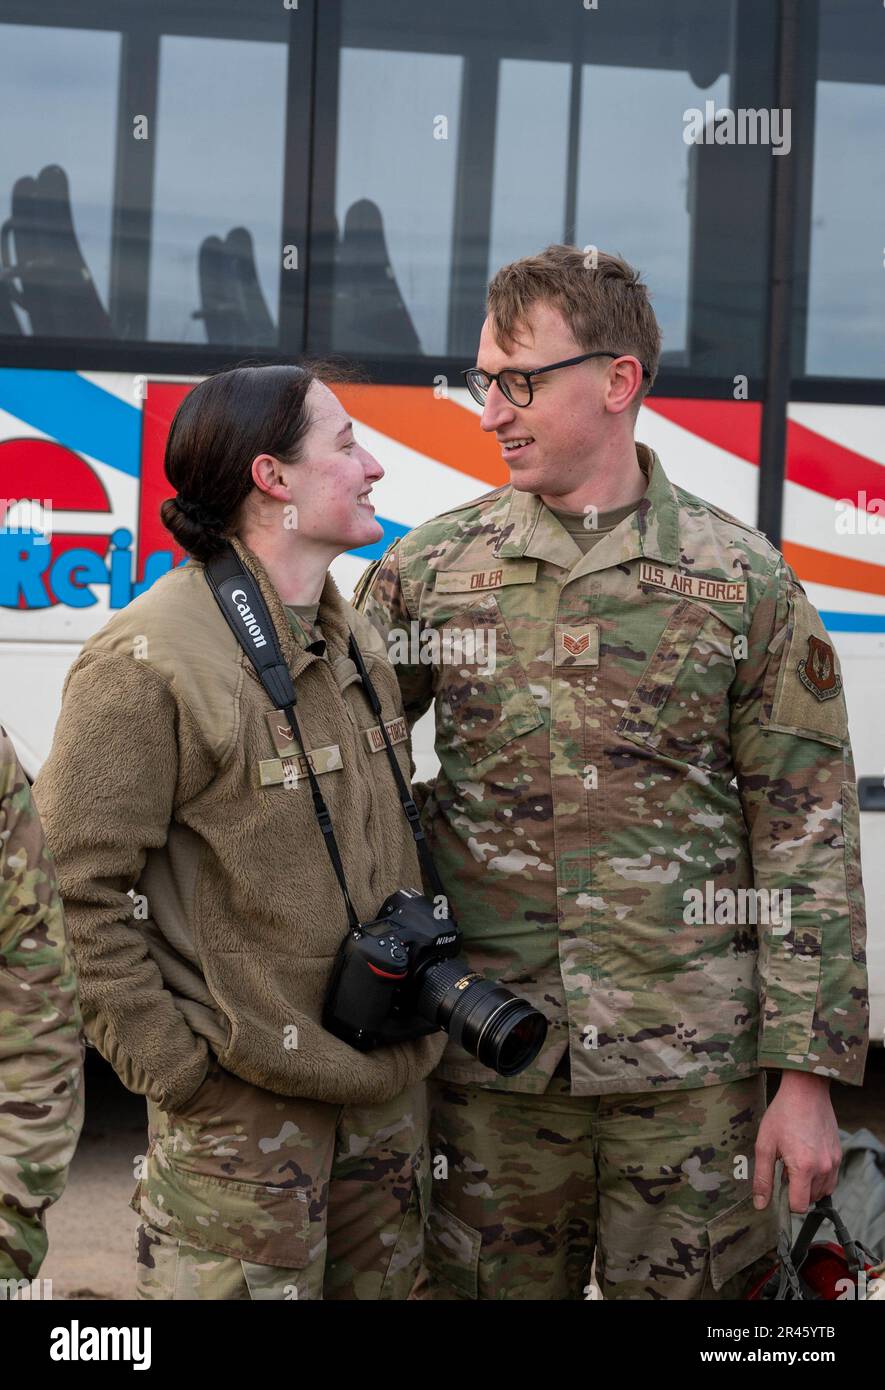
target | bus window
x=631, y=111
x=635, y=113
x=58, y=114
x=466, y=136
x=846, y=280
x=394, y=199
x=144, y=174
x=531, y=120
x=216, y=258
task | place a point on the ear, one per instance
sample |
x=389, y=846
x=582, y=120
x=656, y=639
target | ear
x=624, y=385
x=268, y=477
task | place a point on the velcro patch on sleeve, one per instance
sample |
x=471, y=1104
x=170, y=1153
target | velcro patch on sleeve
x=808, y=697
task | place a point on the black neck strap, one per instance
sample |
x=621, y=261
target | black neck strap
x=240, y=600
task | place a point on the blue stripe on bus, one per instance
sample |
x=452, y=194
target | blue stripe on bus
x=392, y=531
x=76, y=413
x=853, y=622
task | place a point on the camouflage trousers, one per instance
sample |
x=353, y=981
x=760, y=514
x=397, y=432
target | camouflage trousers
x=658, y=1186
x=245, y=1194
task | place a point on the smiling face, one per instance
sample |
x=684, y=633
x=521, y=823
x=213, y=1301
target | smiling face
x=331, y=484
x=575, y=414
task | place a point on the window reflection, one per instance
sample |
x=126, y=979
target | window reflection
x=395, y=187
x=846, y=281
x=216, y=245
x=58, y=115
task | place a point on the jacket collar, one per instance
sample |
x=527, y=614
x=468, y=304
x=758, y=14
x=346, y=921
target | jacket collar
x=651, y=531
x=331, y=615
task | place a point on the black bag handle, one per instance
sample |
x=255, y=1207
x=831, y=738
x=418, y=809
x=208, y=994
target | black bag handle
x=790, y=1285
x=823, y=1210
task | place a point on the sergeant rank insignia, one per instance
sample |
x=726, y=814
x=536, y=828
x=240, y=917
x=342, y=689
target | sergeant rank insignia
x=817, y=670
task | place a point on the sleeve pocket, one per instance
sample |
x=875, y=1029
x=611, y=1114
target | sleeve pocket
x=853, y=884
x=791, y=966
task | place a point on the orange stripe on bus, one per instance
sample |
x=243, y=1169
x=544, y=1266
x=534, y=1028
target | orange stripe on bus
x=438, y=428
x=820, y=567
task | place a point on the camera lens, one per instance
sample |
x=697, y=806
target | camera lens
x=501, y=1030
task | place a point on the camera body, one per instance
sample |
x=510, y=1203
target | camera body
x=402, y=977
x=376, y=980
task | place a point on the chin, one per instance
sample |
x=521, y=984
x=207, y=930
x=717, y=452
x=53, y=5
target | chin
x=527, y=482
x=366, y=534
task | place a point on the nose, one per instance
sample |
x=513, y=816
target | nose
x=371, y=467
x=497, y=410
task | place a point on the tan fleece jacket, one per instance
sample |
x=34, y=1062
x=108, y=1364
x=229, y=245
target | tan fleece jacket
x=165, y=778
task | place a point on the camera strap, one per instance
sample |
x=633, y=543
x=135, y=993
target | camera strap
x=241, y=601
x=413, y=816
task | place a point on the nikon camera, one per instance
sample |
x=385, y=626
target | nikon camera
x=402, y=977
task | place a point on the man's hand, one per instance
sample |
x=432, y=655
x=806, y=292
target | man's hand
x=800, y=1127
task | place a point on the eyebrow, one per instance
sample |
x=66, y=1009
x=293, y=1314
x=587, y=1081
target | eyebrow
x=508, y=368
x=348, y=425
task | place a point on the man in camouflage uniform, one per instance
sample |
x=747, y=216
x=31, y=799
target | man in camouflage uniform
x=41, y=1051
x=659, y=731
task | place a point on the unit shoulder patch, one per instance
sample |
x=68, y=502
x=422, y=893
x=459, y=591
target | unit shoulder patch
x=817, y=670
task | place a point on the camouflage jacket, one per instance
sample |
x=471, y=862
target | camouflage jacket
x=641, y=750
x=41, y=1052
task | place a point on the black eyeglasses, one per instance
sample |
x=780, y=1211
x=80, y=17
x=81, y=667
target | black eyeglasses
x=516, y=385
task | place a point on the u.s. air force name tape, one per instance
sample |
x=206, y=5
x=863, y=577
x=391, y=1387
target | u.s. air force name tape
x=397, y=729
x=693, y=585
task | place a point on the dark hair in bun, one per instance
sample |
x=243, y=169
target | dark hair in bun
x=219, y=428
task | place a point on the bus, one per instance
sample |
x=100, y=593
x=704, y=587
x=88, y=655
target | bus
x=185, y=186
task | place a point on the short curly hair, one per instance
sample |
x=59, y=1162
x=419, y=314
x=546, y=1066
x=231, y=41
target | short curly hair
x=600, y=297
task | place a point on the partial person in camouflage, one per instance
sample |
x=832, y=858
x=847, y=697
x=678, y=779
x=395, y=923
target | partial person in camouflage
x=41, y=1048
x=645, y=817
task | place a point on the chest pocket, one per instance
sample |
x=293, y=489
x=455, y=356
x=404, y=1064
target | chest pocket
x=482, y=698
x=679, y=705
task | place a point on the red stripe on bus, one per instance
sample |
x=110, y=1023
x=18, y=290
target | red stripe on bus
x=819, y=463
x=730, y=425
x=161, y=403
